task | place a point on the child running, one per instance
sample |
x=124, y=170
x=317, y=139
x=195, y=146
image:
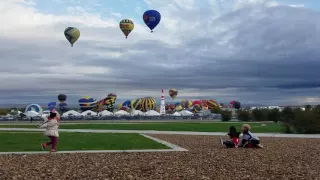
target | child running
x=248, y=139
x=51, y=124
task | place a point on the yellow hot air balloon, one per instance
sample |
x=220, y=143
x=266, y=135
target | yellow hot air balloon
x=126, y=26
x=120, y=105
x=148, y=103
x=72, y=34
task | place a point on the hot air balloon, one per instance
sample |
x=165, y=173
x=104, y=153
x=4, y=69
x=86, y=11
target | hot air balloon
x=52, y=105
x=212, y=104
x=87, y=103
x=62, y=98
x=196, y=102
x=148, y=103
x=127, y=103
x=136, y=104
x=186, y=104
x=196, y=108
x=120, y=105
x=173, y=93
x=171, y=107
x=109, y=103
x=126, y=26
x=72, y=34
x=34, y=107
x=179, y=108
x=112, y=95
x=151, y=18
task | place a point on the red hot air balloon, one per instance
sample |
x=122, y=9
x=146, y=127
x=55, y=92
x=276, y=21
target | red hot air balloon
x=197, y=102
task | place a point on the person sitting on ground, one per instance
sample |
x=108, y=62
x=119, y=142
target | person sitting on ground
x=234, y=136
x=248, y=139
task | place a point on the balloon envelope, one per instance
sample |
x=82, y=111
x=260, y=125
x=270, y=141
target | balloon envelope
x=72, y=34
x=148, y=103
x=126, y=26
x=62, y=97
x=173, y=93
x=151, y=18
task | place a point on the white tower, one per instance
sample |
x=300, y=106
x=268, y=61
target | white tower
x=163, y=106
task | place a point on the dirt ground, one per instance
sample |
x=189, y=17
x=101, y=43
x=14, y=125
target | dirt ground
x=282, y=158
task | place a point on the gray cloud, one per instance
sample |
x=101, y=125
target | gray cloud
x=255, y=54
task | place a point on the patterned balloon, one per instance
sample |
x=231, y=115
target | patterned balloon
x=173, y=93
x=212, y=104
x=148, y=103
x=126, y=26
x=87, y=103
x=196, y=108
x=172, y=107
x=186, y=104
x=72, y=34
x=120, y=105
x=34, y=107
x=113, y=96
x=136, y=104
x=179, y=108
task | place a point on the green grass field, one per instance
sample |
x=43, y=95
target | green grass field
x=31, y=141
x=196, y=127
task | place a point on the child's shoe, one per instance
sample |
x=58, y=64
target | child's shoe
x=43, y=146
x=259, y=146
x=53, y=151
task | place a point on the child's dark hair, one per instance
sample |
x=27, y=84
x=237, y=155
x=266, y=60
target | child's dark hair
x=52, y=115
x=233, y=132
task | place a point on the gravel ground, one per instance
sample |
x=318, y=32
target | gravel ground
x=282, y=158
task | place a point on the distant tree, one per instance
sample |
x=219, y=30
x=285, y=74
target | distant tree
x=307, y=107
x=226, y=115
x=243, y=115
x=259, y=114
x=274, y=115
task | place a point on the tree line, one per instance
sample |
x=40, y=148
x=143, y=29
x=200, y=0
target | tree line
x=292, y=120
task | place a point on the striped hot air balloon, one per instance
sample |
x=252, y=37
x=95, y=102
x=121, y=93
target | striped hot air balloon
x=87, y=103
x=186, y=104
x=136, y=104
x=148, y=103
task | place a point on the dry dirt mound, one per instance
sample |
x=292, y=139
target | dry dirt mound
x=283, y=158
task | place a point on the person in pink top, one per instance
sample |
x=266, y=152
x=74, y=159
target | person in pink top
x=51, y=126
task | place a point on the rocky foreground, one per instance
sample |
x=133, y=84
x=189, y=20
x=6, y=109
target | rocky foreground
x=282, y=158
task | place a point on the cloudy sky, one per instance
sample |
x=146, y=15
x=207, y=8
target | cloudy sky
x=253, y=51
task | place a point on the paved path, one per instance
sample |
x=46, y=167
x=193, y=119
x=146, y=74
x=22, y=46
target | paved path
x=167, y=132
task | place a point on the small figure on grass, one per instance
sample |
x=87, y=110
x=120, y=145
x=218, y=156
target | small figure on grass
x=234, y=138
x=51, y=125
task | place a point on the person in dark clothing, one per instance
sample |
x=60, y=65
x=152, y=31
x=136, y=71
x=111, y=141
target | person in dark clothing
x=31, y=119
x=248, y=139
x=234, y=136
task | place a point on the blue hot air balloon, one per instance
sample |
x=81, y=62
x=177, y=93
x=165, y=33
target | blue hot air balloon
x=127, y=103
x=151, y=18
x=52, y=105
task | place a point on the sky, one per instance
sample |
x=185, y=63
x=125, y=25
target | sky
x=253, y=51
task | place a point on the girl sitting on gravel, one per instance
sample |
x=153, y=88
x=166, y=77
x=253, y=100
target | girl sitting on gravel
x=234, y=136
x=51, y=124
x=248, y=139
